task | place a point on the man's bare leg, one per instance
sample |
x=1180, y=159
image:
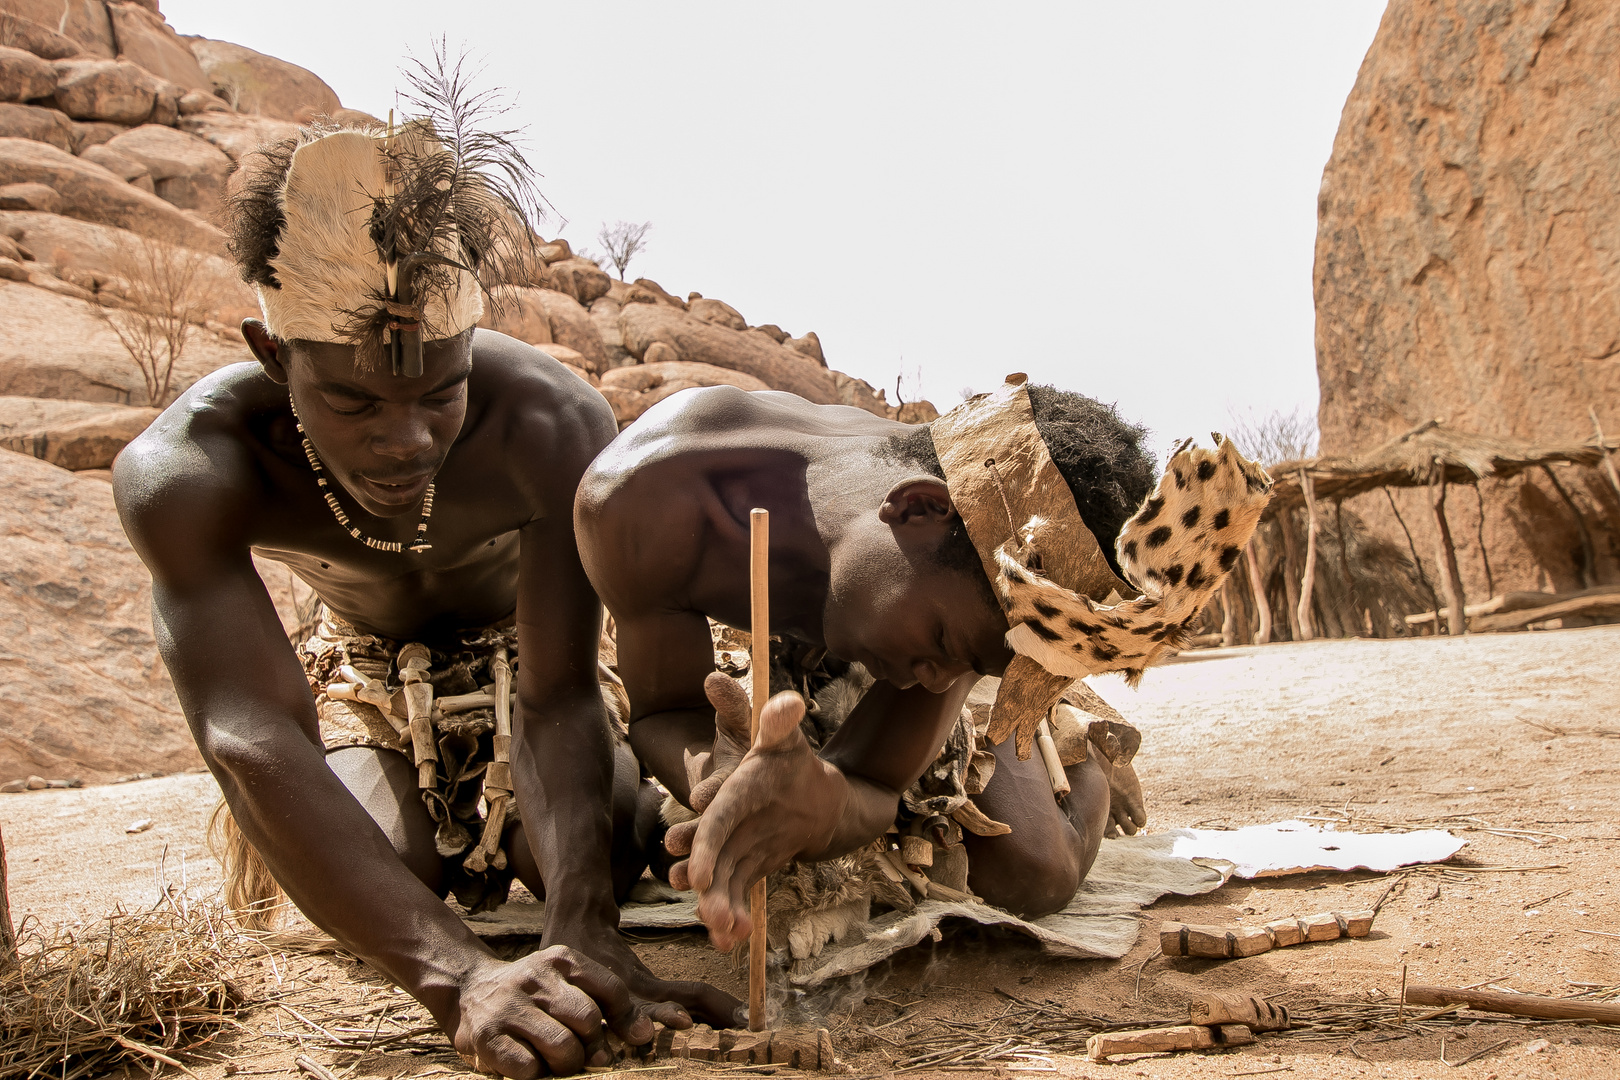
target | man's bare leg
x=385, y=783
x=1035, y=869
x=637, y=830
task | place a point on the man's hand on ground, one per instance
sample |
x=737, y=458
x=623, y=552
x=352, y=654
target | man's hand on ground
x=673, y=1003
x=543, y=1013
x=780, y=802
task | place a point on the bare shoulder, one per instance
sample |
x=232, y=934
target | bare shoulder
x=643, y=508
x=545, y=421
x=188, y=481
x=715, y=423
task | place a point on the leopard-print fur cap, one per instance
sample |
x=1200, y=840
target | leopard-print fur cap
x=1069, y=616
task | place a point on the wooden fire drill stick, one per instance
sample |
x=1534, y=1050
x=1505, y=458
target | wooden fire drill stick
x=759, y=568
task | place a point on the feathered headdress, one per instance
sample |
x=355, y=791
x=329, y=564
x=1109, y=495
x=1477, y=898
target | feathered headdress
x=378, y=238
x=1068, y=614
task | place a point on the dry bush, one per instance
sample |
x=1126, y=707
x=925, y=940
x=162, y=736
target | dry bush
x=132, y=989
x=1276, y=437
x=1365, y=584
x=623, y=241
x=166, y=290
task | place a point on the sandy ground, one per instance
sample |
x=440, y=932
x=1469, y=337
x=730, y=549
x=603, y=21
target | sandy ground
x=1473, y=733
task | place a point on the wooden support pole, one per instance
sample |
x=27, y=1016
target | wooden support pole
x=8, y=936
x=1434, y=598
x=1446, y=555
x=1588, y=552
x=1603, y=448
x=1228, y=614
x=1307, y=579
x=1484, y=554
x=1291, y=570
x=759, y=623
x=1604, y=1012
x=1262, y=606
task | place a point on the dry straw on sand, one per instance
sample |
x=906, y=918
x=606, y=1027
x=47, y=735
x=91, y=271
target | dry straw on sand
x=132, y=988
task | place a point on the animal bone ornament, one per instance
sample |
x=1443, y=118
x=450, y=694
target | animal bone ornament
x=1068, y=615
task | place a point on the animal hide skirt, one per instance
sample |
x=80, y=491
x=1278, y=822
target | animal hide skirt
x=364, y=688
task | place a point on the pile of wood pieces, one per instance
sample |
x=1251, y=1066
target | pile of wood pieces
x=1230, y=942
x=809, y=1050
x=1215, y=1021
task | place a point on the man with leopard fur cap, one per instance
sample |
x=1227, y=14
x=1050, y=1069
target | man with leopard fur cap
x=983, y=544
x=419, y=475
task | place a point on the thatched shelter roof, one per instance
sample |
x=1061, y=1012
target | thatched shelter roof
x=1409, y=461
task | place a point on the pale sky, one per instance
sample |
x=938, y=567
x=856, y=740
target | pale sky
x=1116, y=198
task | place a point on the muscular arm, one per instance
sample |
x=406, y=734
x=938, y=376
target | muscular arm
x=562, y=752
x=251, y=712
x=664, y=659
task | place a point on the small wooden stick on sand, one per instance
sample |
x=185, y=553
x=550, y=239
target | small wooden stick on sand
x=759, y=619
x=1604, y=1012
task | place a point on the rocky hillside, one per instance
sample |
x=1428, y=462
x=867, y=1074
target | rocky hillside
x=117, y=140
x=1466, y=267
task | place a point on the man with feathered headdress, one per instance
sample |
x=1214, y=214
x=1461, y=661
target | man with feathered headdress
x=446, y=725
x=1017, y=536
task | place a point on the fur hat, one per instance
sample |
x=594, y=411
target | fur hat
x=336, y=282
x=1069, y=615
x=380, y=238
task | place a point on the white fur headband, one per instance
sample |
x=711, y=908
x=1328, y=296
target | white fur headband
x=331, y=273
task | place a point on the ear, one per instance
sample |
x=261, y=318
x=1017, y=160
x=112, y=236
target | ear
x=918, y=501
x=266, y=349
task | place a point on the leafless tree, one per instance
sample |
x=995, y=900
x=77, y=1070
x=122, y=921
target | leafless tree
x=1276, y=437
x=623, y=241
x=166, y=289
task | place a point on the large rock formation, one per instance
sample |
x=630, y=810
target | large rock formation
x=91, y=192
x=86, y=22
x=117, y=137
x=1466, y=261
x=57, y=346
x=263, y=85
x=77, y=435
x=83, y=689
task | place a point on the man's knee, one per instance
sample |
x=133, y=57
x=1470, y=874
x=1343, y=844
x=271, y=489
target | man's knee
x=384, y=783
x=1039, y=880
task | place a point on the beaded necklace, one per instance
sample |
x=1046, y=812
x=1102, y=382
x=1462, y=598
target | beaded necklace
x=419, y=545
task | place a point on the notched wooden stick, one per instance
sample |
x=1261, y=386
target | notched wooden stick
x=1255, y=1013
x=498, y=777
x=1158, y=1040
x=1228, y=942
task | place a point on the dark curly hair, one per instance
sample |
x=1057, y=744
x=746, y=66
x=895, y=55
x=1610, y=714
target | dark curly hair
x=1099, y=454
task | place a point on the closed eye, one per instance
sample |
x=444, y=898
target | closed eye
x=440, y=400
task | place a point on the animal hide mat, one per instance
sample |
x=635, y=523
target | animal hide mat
x=1100, y=923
